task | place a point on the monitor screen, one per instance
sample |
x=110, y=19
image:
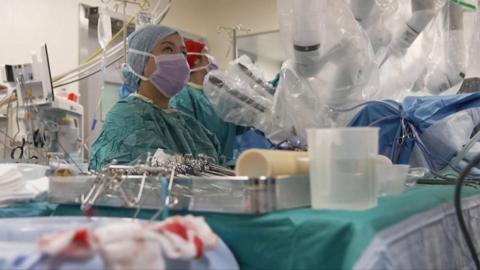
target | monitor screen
x=46, y=72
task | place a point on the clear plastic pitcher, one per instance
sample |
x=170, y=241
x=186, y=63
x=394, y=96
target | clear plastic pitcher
x=342, y=168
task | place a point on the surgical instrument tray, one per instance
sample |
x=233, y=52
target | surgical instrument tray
x=235, y=195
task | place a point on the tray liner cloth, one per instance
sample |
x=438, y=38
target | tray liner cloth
x=306, y=238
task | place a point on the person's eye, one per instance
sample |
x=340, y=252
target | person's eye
x=168, y=50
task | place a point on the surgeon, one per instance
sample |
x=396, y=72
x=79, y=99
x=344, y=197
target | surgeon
x=193, y=101
x=156, y=70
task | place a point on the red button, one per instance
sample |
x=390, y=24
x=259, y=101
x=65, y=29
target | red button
x=72, y=97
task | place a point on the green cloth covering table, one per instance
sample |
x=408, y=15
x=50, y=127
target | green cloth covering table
x=37, y=209
x=314, y=239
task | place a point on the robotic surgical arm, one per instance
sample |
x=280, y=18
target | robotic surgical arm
x=423, y=11
x=452, y=68
x=320, y=52
x=306, y=36
x=329, y=65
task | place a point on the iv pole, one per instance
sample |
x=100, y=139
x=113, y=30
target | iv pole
x=232, y=32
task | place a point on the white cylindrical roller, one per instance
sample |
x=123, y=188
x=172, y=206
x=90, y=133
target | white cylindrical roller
x=270, y=163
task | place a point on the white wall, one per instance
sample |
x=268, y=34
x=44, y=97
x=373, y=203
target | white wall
x=188, y=16
x=203, y=17
x=28, y=23
x=257, y=15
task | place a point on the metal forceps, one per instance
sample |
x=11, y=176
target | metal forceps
x=89, y=200
x=112, y=183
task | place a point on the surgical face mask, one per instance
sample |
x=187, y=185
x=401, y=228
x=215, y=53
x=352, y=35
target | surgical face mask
x=212, y=63
x=170, y=75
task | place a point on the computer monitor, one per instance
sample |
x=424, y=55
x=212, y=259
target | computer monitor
x=39, y=90
x=46, y=72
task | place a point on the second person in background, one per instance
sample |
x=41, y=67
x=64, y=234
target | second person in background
x=193, y=101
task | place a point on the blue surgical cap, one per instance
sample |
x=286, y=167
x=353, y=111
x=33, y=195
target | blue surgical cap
x=145, y=40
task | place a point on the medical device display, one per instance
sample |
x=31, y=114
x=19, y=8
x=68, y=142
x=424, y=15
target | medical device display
x=47, y=126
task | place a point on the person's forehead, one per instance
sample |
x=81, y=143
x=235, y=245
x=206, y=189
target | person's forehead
x=171, y=40
x=174, y=39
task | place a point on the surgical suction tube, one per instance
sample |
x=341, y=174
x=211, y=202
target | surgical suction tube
x=237, y=94
x=257, y=80
x=306, y=36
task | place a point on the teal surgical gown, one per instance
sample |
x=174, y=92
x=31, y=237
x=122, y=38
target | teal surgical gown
x=193, y=101
x=135, y=126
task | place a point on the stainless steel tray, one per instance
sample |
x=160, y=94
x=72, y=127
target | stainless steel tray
x=235, y=195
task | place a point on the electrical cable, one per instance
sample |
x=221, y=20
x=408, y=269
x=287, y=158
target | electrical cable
x=459, y=213
x=83, y=67
x=435, y=181
x=17, y=120
x=86, y=68
x=30, y=107
x=88, y=75
x=9, y=106
x=92, y=58
x=436, y=174
x=114, y=38
x=21, y=148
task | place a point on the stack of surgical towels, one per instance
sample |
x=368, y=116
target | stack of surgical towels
x=14, y=186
